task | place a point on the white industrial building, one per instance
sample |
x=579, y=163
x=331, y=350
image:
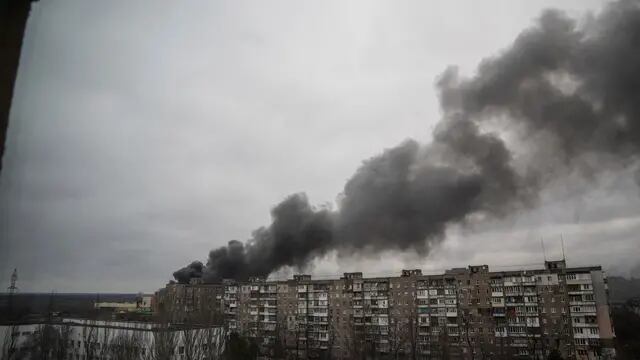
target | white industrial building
x=83, y=339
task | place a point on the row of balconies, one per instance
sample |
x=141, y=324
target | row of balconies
x=580, y=292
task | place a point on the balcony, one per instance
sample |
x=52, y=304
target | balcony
x=582, y=303
x=580, y=292
x=585, y=325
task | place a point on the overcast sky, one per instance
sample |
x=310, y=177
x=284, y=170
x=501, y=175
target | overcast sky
x=144, y=133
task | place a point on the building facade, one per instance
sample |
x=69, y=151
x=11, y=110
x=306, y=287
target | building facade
x=195, y=302
x=463, y=313
x=67, y=338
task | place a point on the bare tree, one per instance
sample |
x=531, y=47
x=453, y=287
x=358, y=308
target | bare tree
x=103, y=340
x=126, y=345
x=213, y=343
x=443, y=342
x=62, y=344
x=164, y=343
x=356, y=343
x=466, y=332
x=412, y=337
x=9, y=343
x=90, y=339
x=213, y=335
x=398, y=338
x=280, y=344
x=192, y=341
x=50, y=342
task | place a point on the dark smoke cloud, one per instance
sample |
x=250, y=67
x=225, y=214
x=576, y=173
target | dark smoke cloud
x=563, y=98
x=193, y=270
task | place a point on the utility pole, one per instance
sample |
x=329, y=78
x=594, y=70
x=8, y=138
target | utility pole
x=9, y=346
x=14, y=278
x=12, y=290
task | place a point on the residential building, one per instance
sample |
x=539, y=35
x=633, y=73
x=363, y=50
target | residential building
x=194, y=302
x=462, y=313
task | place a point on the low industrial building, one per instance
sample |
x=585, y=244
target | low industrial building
x=105, y=340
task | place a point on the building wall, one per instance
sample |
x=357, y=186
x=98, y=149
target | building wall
x=463, y=313
x=85, y=337
x=190, y=302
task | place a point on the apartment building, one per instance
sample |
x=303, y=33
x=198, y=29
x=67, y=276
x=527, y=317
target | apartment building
x=230, y=306
x=193, y=302
x=463, y=313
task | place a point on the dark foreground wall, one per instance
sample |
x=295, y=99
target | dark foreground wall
x=13, y=19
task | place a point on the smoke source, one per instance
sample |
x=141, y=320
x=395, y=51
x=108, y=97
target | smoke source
x=566, y=97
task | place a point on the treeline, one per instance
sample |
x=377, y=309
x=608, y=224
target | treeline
x=627, y=326
x=23, y=305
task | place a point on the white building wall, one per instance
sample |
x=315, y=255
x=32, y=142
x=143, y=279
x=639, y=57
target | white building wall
x=104, y=332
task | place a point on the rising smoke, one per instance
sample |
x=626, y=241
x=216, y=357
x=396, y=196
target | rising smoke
x=562, y=99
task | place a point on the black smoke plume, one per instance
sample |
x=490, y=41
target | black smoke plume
x=193, y=270
x=562, y=98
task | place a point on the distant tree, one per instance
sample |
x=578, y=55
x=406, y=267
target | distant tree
x=192, y=342
x=49, y=342
x=239, y=348
x=279, y=347
x=444, y=343
x=126, y=345
x=103, y=339
x=164, y=343
x=627, y=325
x=90, y=339
x=213, y=343
x=554, y=354
x=465, y=331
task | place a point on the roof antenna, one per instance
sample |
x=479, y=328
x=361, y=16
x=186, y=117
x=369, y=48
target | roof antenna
x=544, y=253
x=562, y=243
